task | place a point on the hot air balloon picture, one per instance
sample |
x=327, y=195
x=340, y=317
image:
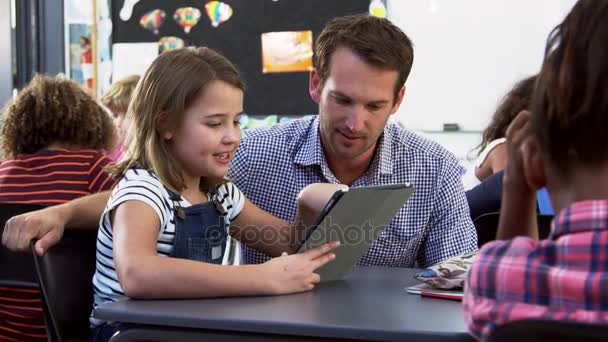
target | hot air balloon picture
x=218, y=12
x=187, y=17
x=153, y=20
x=377, y=8
x=169, y=43
x=289, y=51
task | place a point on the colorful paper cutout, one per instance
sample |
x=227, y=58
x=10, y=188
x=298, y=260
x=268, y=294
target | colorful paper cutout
x=169, y=43
x=127, y=9
x=377, y=9
x=289, y=51
x=218, y=12
x=187, y=17
x=153, y=20
x=248, y=122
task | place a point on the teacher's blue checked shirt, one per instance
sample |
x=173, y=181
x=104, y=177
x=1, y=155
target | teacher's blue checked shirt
x=273, y=164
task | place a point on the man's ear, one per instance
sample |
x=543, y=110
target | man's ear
x=398, y=100
x=163, y=127
x=533, y=164
x=314, y=86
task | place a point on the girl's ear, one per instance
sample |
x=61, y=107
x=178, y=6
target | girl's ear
x=534, y=166
x=164, y=128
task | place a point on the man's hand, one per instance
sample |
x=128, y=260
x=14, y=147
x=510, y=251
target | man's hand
x=312, y=199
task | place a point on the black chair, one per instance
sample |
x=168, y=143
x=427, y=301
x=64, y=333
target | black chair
x=16, y=269
x=538, y=330
x=65, y=275
x=486, y=226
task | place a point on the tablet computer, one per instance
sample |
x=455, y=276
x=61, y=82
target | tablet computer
x=354, y=217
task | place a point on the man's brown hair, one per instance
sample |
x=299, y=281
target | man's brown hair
x=570, y=102
x=53, y=109
x=376, y=40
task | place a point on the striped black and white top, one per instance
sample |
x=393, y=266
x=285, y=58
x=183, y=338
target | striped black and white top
x=142, y=185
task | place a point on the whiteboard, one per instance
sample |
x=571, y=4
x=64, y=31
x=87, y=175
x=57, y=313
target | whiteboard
x=468, y=54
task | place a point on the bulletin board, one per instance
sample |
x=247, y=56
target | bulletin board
x=270, y=89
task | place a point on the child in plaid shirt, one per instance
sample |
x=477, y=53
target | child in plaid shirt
x=560, y=144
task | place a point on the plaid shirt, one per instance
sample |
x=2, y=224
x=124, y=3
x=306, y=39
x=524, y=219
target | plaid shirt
x=273, y=164
x=562, y=278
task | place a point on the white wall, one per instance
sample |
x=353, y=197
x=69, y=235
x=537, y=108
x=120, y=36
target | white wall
x=468, y=54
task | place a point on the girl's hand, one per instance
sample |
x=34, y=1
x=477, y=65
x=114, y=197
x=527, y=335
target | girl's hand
x=519, y=140
x=518, y=206
x=295, y=273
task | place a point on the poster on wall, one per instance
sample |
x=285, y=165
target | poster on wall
x=132, y=58
x=104, y=47
x=91, y=69
x=286, y=51
x=79, y=53
x=79, y=58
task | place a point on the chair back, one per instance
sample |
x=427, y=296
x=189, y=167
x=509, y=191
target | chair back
x=16, y=269
x=540, y=330
x=486, y=226
x=65, y=274
x=544, y=225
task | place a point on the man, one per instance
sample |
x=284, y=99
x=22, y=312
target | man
x=362, y=63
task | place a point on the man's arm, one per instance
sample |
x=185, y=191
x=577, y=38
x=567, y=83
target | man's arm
x=47, y=225
x=451, y=229
x=255, y=226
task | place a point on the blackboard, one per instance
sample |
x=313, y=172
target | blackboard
x=239, y=40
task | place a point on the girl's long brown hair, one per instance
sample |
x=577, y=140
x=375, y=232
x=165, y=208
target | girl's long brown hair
x=170, y=85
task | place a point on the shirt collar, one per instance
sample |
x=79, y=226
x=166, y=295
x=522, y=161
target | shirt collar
x=311, y=152
x=581, y=216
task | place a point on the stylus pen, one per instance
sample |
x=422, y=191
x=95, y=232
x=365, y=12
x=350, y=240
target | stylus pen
x=441, y=296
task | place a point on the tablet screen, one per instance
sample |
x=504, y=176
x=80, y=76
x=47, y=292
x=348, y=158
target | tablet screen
x=355, y=217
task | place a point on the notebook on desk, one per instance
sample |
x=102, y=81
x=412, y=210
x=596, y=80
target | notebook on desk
x=356, y=218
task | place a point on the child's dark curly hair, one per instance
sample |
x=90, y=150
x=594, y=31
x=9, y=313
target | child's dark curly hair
x=53, y=110
x=519, y=98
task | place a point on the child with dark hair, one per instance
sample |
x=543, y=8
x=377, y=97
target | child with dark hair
x=560, y=144
x=491, y=155
x=51, y=139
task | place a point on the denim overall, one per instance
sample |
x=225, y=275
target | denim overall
x=200, y=230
